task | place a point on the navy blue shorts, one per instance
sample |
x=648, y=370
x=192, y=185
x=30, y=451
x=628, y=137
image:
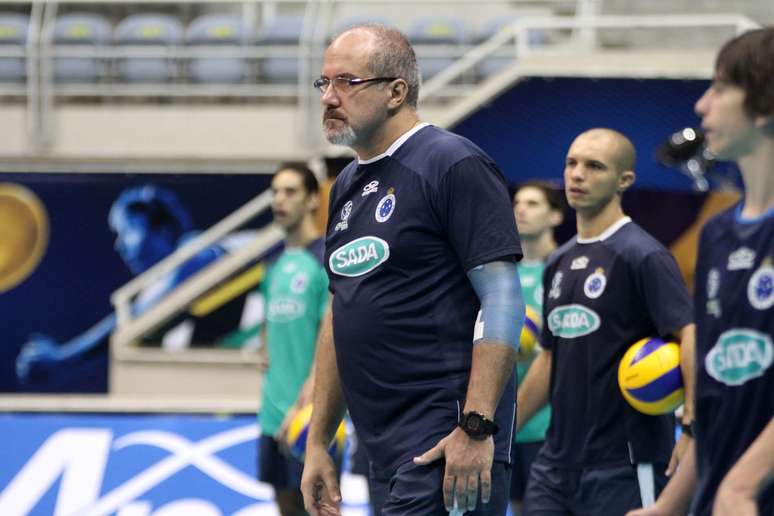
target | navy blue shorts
x=612, y=491
x=418, y=491
x=522, y=456
x=277, y=468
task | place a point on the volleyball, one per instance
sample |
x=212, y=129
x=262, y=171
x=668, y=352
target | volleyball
x=299, y=428
x=649, y=376
x=530, y=333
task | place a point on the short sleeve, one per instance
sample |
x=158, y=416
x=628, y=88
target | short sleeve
x=546, y=337
x=322, y=291
x=664, y=291
x=264, y=285
x=474, y=207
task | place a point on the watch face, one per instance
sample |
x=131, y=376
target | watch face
x=477, y=426
x=473, y=423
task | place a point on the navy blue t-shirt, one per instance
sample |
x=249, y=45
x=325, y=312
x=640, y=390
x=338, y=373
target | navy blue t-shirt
x=602, y=296
x=735, y=324
x=402, y=232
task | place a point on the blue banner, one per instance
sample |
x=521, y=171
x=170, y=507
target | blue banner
x=138, y=465
x=70, y=240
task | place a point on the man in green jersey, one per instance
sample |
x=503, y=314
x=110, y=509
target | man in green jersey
x=296, y=293
x=538, y=209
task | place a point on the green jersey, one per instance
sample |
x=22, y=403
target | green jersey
x=531, y=276
x=296, y=292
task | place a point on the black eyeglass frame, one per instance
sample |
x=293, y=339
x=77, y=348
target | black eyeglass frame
x=324, y=82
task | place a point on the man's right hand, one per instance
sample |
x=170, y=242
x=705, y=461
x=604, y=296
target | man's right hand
x=320, y=484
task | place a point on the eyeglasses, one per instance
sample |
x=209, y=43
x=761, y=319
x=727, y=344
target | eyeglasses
x=345, y=84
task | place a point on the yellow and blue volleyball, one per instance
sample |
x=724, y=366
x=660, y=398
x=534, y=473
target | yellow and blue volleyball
x=530, y=333
x=299, y=428
x=649, y=376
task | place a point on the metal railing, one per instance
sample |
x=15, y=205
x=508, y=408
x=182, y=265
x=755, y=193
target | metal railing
x=511, y=39
x=41, y=90
x=514, y=40
x=460, y=86
x=130, y=327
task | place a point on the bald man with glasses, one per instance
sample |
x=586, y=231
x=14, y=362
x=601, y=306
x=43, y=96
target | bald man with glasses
x=421, y=252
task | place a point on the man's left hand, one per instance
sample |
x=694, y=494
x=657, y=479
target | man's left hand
x=468, y=466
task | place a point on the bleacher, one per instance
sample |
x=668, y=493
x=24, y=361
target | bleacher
x=105, y=82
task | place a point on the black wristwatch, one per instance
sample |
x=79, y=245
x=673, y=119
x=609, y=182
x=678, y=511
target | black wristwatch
x=477, y=426
x=687, y=429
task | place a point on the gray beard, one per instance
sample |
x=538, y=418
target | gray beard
x=346, y=137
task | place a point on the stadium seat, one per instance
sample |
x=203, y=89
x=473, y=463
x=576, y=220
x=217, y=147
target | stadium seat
x=442, y=31
x=13, y=32
x=282, y=30
x=218, y=30
x=80, y=29
x=495, y=63
x=148, y=29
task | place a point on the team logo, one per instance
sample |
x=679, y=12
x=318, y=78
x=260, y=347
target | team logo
x=571, y=321
x=713, y=308
x=370, y=188
x=538, y=295
x=346, y=211
x=760, y=288
x=713, y=286
x=579, y=263
x=595, y=284
x=556, y=283
x=385, y=207
x=359, y=256
x=298, y=283
x=285, y=309
x=713, y=282
x=742, y=258
x=739, y=355
x=527, y=281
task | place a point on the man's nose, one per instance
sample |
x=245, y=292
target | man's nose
x=578, y=173
x=330, y=97
x=700, y=108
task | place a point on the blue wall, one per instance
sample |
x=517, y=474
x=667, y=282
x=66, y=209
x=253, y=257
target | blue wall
x=528, y=129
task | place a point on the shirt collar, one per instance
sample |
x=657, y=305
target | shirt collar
x=606, y=233
x=752, y=220
x=395, y=145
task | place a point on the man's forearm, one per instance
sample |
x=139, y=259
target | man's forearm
x=678, y=493
x=490, y=371
x=533, y=391
x=688, y=369
x=328, y=399
x=755, y=468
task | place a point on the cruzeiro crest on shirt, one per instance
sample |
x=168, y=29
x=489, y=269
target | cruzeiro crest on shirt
x=360, y=256
x=739, y=355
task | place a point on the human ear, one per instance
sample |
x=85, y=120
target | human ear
x=626, y=180
x=398, y=93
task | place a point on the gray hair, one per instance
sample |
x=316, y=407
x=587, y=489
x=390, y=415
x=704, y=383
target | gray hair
x=394, y=57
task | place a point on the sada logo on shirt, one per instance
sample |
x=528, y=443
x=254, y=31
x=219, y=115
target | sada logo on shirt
x=571, y=321
x=285, y=309
x=739, y=355
x=359, y=256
